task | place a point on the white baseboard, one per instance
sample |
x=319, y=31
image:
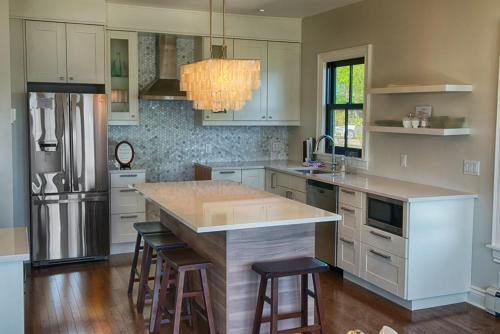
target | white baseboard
x=125, y=247
x=476, y=297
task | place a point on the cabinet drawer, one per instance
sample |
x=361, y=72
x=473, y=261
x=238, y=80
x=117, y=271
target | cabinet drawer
x=351, y=197
x=352, y=218
x=291, y=182
x=348, y=254
x=254, y=178
x=298, y=196
x=124, y=200
x=383, y=269
x=227, y=175
x=123, y=180
x=386, y=241
x=122, y=226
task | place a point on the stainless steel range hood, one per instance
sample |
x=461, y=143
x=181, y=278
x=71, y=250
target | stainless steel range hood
x=167, y=86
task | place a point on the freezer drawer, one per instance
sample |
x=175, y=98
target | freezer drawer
x=66, y=227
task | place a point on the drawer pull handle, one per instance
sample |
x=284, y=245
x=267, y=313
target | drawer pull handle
x=129, y=217
x=127, y=190
x=347, y=241
x=349, y=192
x=347, y=210
x=128, y=175
x=386, y=257
x=380, y=235
x=274, y=177
x=227, y=172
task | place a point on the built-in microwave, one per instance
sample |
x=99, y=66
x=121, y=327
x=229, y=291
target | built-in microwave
x=385, y=213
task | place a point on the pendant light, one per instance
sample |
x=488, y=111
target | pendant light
x=219, y=84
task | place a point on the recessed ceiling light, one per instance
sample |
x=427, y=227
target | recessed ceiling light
x=262, y=10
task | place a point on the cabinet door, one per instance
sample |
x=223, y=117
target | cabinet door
x=122, y=78
x=271, y=181
x=45, y=51
x=348, y=254
x=227, y=175
x=253, y=178
x=217, y=47
x=85, y=50
x=256, y=108
x=125, y=200
x=283, y=81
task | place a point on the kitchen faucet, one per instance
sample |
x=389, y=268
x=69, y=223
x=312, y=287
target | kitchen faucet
x=334, y=161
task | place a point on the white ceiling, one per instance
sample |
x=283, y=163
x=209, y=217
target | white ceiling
x=283, y=8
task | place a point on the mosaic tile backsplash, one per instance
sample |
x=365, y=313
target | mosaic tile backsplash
x=167, y=140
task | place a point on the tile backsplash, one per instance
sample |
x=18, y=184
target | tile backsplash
x=167, y=141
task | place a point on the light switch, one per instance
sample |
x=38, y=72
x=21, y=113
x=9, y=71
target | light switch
x=472, y=167
x=403, y=160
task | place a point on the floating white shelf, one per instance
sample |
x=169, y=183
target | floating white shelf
x=420, y=131
x=444, y=88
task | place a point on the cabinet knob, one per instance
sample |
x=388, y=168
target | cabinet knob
x=71, y=78
x=263, y=116
x=270, y=117
x=207, y=116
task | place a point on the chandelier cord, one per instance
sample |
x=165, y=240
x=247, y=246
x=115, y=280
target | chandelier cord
x=224, y=47
x=211, y=52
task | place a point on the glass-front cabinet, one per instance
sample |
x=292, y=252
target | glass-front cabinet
x=123, y=78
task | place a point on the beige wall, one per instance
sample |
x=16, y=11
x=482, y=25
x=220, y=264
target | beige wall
x=424, y=41
x=6, y=216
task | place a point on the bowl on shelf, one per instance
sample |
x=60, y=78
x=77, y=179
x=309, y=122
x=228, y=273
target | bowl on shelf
x=389, y=122
x=454, y=122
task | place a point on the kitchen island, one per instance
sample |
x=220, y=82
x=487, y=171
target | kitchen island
x=235, y=226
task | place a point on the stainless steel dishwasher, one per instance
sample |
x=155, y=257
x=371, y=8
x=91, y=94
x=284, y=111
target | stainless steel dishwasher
x=324, y=196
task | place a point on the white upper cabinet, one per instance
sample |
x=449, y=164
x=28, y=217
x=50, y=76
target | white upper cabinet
x=60, y=52
x=46, y=51
x=85, y=50
x=256, y=108
x=283, y=81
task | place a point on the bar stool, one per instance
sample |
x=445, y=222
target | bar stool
x=184, y=263
x=284, y=268
x=153, y=243
x=142, y=229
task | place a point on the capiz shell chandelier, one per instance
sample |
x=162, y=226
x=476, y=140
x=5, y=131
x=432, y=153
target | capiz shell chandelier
x=220, y=84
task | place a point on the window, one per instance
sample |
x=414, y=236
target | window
x=345, y=93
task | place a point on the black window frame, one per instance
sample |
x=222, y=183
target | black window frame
x=331, y=106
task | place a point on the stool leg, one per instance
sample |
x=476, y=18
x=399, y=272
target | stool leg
x=134, y=265
x=154, y=327
x=274, y=305
x=304, y=308
x=208, y=301
x=145, y=266
x=156, y=293
x=319, y=303
x=178, y=301
x=189, y=307
x=260, y=305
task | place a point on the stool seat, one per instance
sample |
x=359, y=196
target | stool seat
x=184, y=257
x=150, y=227
x=290, y=267
x=162, y=241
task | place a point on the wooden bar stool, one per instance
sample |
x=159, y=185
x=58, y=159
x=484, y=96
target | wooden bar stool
x=153, y=243
x=142, y=229
x=284, y=268
x=184, y=263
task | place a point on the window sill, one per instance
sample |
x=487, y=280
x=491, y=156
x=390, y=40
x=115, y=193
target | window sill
x=495, y=252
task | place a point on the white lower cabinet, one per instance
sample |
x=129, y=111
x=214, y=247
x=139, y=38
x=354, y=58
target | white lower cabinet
x=348, y=255
x=127, y=207
x=227, y=175
x=254, y=178
x=383, y=269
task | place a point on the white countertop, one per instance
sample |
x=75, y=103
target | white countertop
x=382, y=186
x=14, y=246
x=211, y=206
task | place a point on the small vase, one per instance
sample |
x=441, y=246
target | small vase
x=116, y=67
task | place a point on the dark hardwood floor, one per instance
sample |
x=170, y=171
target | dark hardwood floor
x=92, y=298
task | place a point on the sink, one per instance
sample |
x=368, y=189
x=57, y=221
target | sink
x=312, y=171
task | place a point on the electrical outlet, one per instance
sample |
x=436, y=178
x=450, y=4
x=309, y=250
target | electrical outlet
x=208, y=148
x=472, y=167
x=403, y=160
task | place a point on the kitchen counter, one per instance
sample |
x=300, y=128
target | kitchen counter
x=235, y=226
x=211, y=206
x=14, y=246
x=377, y=185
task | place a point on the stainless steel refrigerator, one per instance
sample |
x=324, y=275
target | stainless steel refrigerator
x=69, y=177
